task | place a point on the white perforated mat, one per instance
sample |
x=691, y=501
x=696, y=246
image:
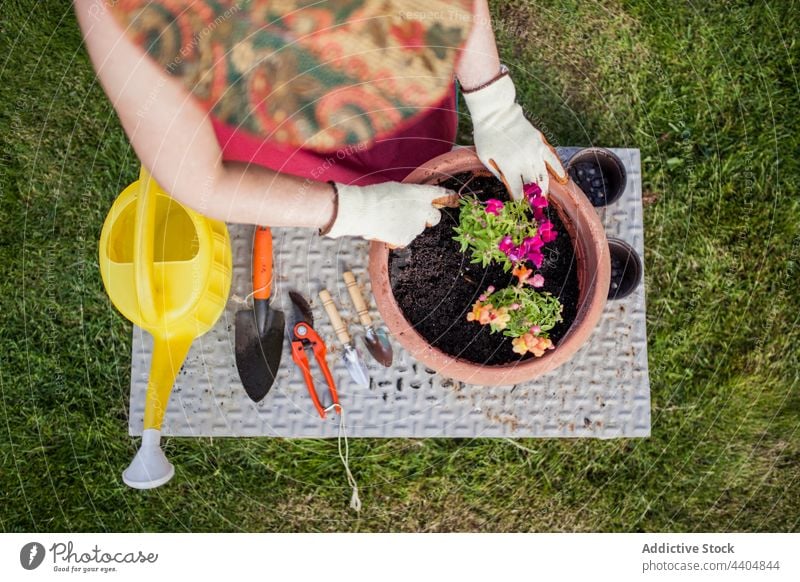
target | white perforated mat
x=604, y=391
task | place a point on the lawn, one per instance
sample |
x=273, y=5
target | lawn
x=709, y=95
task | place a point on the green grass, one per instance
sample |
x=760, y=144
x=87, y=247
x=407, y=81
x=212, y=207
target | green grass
x=710, y=96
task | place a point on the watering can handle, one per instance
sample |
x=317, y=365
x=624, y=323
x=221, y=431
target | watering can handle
x=143, y=245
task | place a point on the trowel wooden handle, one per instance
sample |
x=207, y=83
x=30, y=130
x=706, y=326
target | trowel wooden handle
x=451, y=200
x=358, y=299
x=333, y=314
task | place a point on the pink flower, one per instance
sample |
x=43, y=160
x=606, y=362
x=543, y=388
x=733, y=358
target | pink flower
x=512, y=251
x=546, y=231
x=532, y=243
x=536, y=257
x=530, y=249
x=483, y=296
x=536, y=330
x=493, y=206
x=531, y=190
x=537, y=281
x=534, y=196
x=538, y=202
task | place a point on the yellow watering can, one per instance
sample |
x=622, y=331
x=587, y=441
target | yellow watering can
x=168, y=270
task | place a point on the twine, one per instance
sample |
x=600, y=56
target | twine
x=355, y=500
x=243, y=301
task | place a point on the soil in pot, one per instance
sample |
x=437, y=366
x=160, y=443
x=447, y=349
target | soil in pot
x=591, y=179
x=626, y=269
x=599, y=173
x=435, y=284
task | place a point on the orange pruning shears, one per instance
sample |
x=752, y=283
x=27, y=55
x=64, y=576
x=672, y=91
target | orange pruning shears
x=304, y=336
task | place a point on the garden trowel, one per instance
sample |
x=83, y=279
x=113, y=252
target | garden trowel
x=376, y=340
x=352, y=359
x=260, y=330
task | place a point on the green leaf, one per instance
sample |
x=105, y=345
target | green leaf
x=674, y=162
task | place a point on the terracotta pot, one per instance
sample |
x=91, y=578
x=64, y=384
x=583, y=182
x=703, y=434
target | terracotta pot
x=594, y=268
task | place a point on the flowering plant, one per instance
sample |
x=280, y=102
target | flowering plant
x=516, y=310
x=504, y=232
x=512, y=234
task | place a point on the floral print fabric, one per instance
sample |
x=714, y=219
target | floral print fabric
x=316, y=75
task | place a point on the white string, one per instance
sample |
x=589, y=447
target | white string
x=238, y=300
x=355, y=501
x=243, y=301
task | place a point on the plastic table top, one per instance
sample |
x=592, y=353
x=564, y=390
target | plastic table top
x=603, y=392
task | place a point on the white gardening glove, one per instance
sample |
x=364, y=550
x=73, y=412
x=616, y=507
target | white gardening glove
x=508, y=145
x=391, y=212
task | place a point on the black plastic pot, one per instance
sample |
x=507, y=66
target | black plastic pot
x=599, y=173
x=626, y=269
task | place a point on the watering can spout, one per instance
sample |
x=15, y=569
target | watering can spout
x=150, y=467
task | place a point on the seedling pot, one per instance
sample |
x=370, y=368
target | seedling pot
x=626, y=269
x=599, y=173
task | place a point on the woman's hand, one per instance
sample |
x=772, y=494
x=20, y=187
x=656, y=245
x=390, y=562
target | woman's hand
x=508, y=145
x=392, y=212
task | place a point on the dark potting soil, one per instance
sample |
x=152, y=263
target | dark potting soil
x=626, y=271
x=617, y=275
x=589, y=177
x=435, y=284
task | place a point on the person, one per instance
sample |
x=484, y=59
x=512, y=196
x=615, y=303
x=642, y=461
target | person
x=290, y=113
